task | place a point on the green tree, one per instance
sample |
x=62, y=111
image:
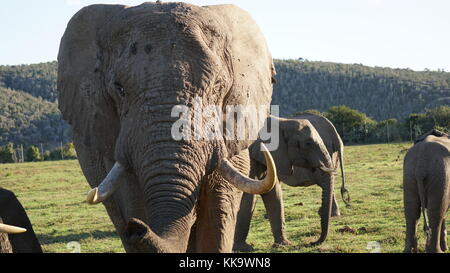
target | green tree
x=7, y=154
x=351, y=124
x=69, y=151
x=310, y=111
x=33, y=154
x=440, y=116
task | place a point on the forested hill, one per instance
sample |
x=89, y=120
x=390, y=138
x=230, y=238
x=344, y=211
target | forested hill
x=381, y=93
x=25, y=119
x=29, y=115
x=38, y=80
x=28, y=109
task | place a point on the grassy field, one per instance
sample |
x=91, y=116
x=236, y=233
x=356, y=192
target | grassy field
x=53, y=194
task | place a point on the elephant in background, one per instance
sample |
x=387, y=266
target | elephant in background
x=426, y=188
x=16, y=231
x=309, y=152
x=121, y=72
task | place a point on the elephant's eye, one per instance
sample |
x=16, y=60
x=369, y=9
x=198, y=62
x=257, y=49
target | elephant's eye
x=120, y=89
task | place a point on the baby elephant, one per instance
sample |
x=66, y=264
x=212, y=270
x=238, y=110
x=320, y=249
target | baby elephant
x=426, y=188
x=16, y=232
x=308, y=153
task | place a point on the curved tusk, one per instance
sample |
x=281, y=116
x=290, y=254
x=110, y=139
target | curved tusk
x=328, y=170
x=107, y=187
x=11, y=229
x=246, y=184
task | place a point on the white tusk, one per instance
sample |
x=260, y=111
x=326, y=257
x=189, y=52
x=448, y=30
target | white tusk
x=11, y=229
x=246, y=184
x=107, y=187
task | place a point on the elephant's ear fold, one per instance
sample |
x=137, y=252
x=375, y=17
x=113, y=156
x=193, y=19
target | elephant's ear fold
x=279, y=155
x=81, y=88
x=250, y=65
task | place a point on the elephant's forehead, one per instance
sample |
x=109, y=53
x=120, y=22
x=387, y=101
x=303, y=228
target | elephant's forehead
x=166, y=19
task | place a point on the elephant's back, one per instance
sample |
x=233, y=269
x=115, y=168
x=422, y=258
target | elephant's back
x=428, y=158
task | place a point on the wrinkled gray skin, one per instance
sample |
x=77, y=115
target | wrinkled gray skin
x=294, y=154
x=121, y=71
x=12, y=213
x=426, y=189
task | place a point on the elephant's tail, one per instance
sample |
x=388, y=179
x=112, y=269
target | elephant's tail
x=344, y=191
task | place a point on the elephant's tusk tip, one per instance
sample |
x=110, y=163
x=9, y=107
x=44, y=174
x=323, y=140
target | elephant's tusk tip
x=11, y=229
x=271, y=168
x=92, y=197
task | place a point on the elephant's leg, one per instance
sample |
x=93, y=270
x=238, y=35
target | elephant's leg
x=243, y=223
x=435, y=217
x=335, y=208
x=216, y=220
x=434, y=243
x=273, y=202
x=218, y=209
x=412, y=215
x=443, y=236
x=412, y=212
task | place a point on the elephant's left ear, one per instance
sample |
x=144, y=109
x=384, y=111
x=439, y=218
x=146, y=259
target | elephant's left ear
x=81, y=87
x=251, y=66
x=279, y=155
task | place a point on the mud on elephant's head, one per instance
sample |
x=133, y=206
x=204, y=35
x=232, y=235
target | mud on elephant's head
x=123, y=69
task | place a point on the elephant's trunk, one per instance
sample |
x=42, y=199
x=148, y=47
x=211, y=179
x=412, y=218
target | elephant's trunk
x=171, y=175
x=145, y=240
x=325, y=210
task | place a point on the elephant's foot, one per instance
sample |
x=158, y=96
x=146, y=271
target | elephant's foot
x=282, y=243
x=318, y=242
x=435, y=250
x=242, y=247
x=410, y=250
x=335, y=213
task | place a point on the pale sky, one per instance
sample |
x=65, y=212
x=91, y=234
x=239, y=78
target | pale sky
x=394, y=33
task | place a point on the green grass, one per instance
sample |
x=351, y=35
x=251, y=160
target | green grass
x=53, y=194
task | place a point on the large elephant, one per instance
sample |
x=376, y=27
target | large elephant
x=309, y=152
x=16, y=231
x=121, y=72
x=426, y=188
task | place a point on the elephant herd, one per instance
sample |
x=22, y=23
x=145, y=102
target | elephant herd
x=121, y=72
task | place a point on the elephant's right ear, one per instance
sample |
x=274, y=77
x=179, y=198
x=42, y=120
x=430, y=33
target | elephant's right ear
x=81, y=88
